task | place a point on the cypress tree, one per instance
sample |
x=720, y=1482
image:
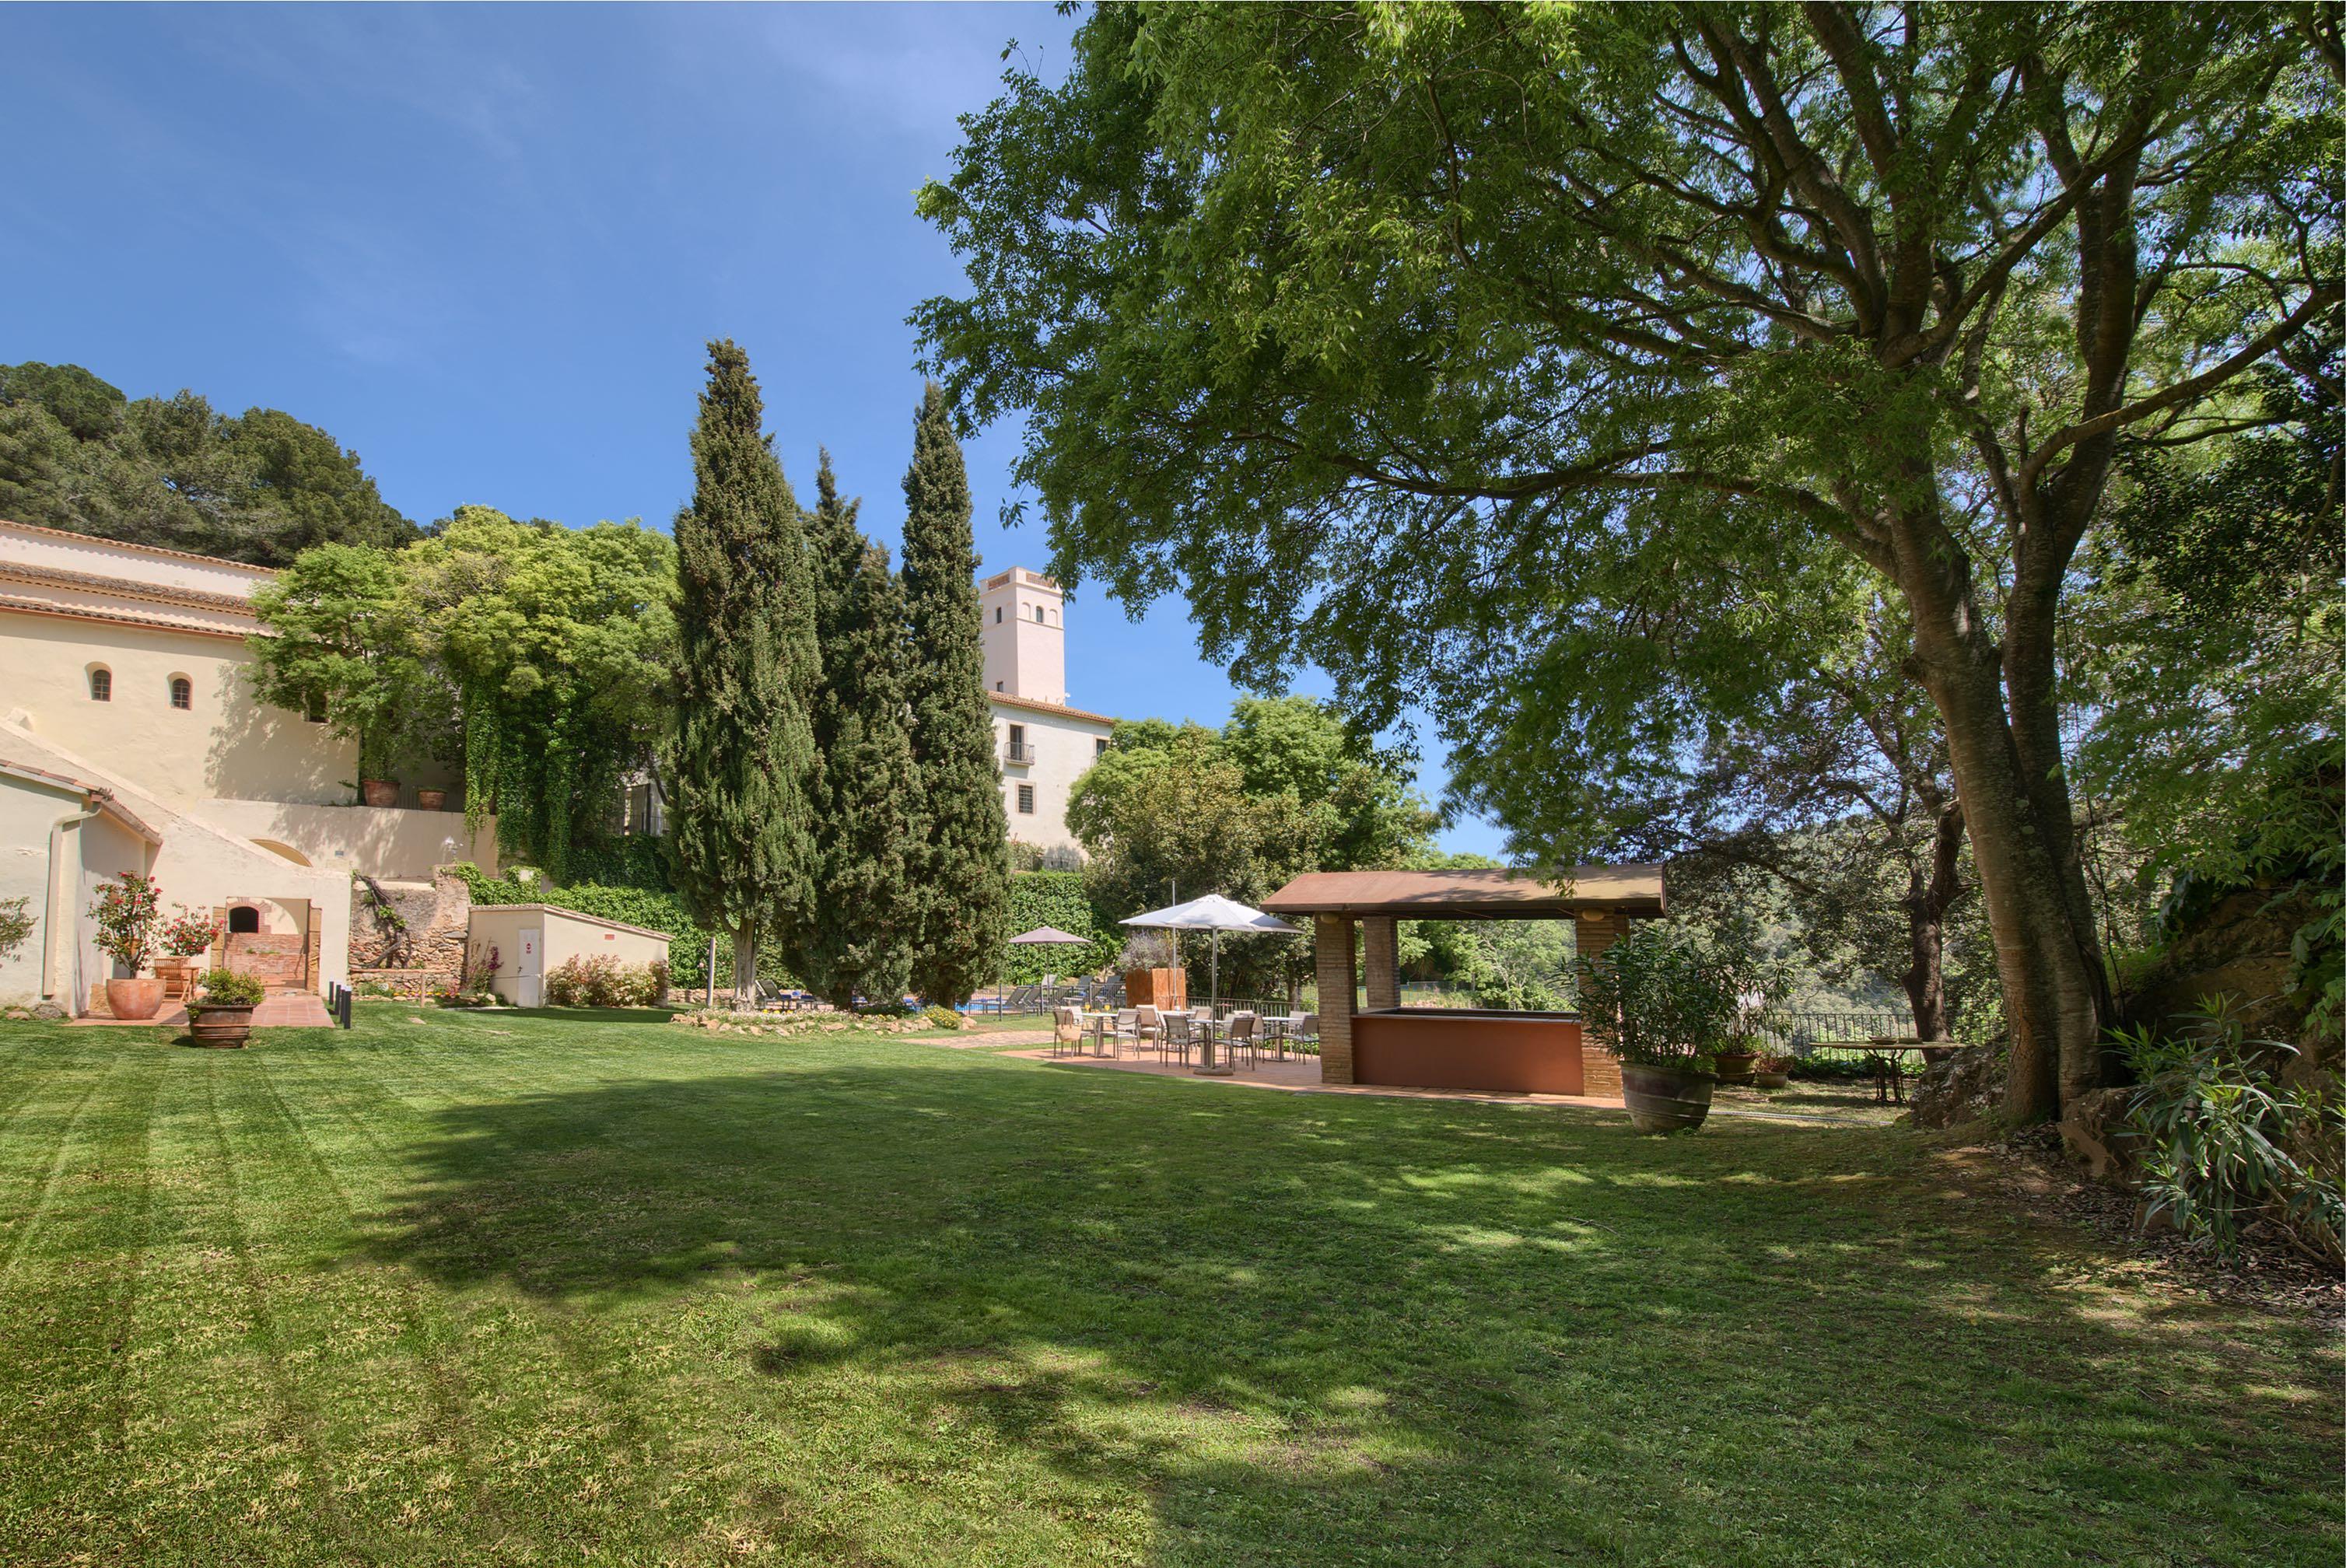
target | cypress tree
x=860, y=938
x=965, y=881
x=743, y=761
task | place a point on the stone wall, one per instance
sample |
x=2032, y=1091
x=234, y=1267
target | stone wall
x=429, y=954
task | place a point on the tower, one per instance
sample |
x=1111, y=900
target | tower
x=1024, y=636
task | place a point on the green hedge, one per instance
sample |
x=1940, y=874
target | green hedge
x=1056, y=899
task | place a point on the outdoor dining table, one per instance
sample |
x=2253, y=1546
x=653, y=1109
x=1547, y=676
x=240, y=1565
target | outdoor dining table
x=1101, y=1029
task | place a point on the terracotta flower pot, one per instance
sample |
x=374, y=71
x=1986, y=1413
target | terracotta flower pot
x=1772, y=1078
x=379, y=791
x=1735, y=1066
x=219, y=1025
x=178, y=975
x=141, y=998
x=1666, y=1099
x=431, y=799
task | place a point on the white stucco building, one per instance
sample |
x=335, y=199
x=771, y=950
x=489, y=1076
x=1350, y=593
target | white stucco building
x=1043, y=743
x=130, y=739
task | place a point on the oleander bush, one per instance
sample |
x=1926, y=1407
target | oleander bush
x=604, y=981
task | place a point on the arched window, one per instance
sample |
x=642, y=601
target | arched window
x=183, y=692
x=244, y=917
x=101, y=683
x=1038, y=615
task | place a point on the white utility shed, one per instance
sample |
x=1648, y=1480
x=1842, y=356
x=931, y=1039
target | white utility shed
x=532, y=939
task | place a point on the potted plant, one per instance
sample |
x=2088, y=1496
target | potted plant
x=1738, y=953
x=184, y=936
x=379, y=791
x=125, y=913
x=1657, y=1000
x=222, y=1017
x=431, y=799
x=1773, y=1070
x=1151, y=977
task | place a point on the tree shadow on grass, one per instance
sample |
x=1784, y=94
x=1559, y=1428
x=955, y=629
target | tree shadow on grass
x=1324, y=1329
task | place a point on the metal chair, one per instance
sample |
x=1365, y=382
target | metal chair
x=1145, y=1027
x=1127, y=1027
x=1306, y=1035
x=1175, y=1034
x=1066, y=1030
x=1238, y=1038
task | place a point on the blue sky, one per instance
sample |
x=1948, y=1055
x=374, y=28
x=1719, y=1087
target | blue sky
x=485, y=245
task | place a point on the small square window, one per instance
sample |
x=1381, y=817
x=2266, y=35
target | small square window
x=1026, y=800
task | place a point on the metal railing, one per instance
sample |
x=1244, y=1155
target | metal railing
x=1019, y=752
x=1806, y=1034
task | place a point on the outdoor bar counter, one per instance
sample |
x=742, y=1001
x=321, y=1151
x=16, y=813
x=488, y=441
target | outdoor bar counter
x=1464, y=1048
x=1380, y=1042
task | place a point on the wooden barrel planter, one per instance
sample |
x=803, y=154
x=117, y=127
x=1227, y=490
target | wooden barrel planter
x=220, y=1026
x=1666, y=1099
x=1735, y=1066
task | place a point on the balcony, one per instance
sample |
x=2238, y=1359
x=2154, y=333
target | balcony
x=1018, y=753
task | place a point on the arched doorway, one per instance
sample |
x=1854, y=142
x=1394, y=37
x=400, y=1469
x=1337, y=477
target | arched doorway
x=243, y=918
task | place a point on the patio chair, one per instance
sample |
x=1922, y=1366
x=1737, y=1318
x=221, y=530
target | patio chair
x=1145, y=1026
x=1174, y=1036
x=1305, y=1036
x=1066, y=1030
x=1127, y=1027
x=1239, y=1039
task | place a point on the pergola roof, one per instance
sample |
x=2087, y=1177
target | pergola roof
x=1474, y=894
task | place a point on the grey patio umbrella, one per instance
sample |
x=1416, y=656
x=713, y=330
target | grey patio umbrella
x=1041, y=936
x=1216, y=914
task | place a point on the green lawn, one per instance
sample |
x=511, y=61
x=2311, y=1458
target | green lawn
x=473, y=1289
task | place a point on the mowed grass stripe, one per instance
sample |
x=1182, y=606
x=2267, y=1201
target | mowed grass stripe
x=494, y=1289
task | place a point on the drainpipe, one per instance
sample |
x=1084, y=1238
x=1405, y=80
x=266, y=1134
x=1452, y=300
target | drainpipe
x=59, y=901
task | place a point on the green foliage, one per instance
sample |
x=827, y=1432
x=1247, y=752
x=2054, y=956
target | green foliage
x=126, y=908
x=964, y=874
x=865, y=916
x=624, y=860
x=15, y=924
x=1056, y=899
x=262, y=487
x=1570, y=373
x=1284, y=787
x=227, y=988
x=742, y=763
x=2210, y=656
x=346, y=631
x=603, y=981
x=558, y=643
x=1661, y=997
x=2229, y=1141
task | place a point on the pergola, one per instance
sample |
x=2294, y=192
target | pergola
x=1446, y=1047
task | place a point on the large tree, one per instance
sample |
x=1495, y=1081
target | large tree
x=741, y=766
x=858, y=940
x=1368, y=325
x=964, y=872
x=262, y=487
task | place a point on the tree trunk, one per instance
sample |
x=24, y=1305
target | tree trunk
x=2050, y=999
x=1928, y=899
x=745, y=966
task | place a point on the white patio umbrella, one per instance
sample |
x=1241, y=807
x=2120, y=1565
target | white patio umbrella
x=1216, y=914
x=1041, y=936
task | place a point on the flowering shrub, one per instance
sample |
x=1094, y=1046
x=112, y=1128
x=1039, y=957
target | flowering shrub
x=188, y=933
x=126, y=911
x=604, y=981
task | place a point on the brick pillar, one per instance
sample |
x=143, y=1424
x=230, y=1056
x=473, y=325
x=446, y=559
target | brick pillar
x=1596, y=933
x=1600, y=1070
x=1381, y=937
x=1331, y=951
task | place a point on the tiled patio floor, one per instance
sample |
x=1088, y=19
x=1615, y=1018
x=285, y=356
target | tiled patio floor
x=1302, y=1075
